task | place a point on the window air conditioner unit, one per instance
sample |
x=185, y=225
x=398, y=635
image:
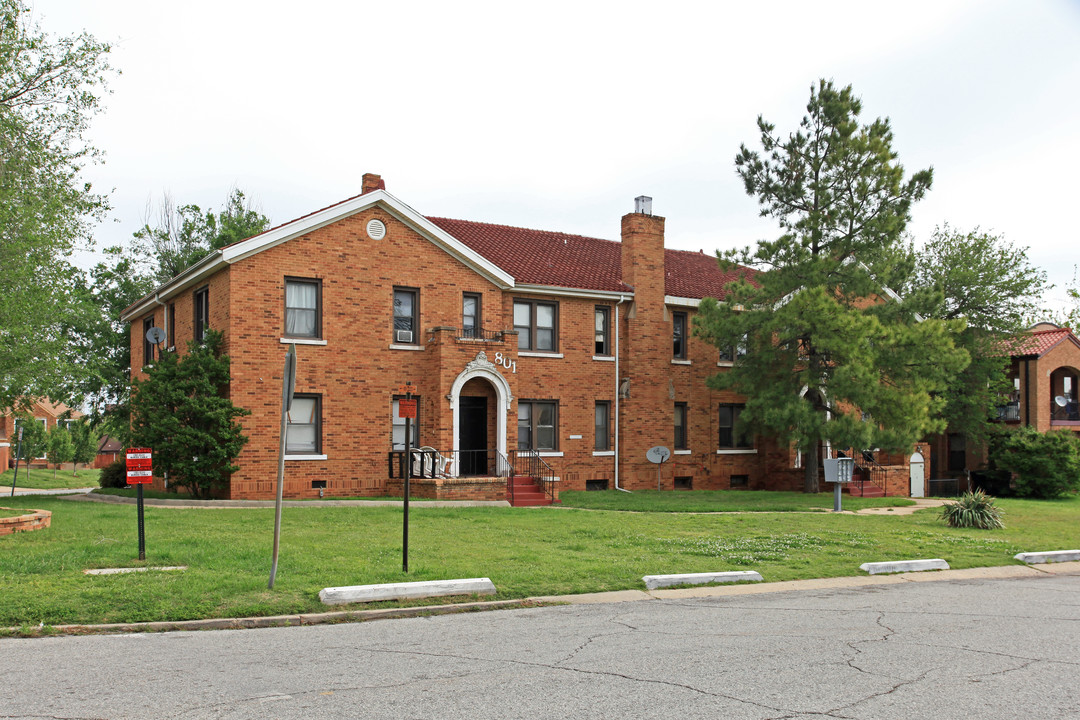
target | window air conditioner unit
x=403, y=336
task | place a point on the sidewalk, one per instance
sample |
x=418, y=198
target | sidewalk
x=920, y=503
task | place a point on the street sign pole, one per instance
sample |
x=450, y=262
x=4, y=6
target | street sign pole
x=142, y=525
x=288, y=385
x=18, y=452
x=407, y=410
x=140, y=470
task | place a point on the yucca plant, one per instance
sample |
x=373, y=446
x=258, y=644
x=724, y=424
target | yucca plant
x=973, y=509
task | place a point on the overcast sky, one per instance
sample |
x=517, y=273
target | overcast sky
x=555, y=115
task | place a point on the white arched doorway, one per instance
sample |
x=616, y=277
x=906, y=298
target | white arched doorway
x=917, y=473
x=484, y=369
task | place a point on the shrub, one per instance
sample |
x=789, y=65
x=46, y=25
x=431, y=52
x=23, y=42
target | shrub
x=1042, y=465
x=973, y=509
x=114, y=475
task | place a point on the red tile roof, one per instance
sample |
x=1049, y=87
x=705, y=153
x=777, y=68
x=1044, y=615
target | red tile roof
x=1040, y=341
x=541, y=257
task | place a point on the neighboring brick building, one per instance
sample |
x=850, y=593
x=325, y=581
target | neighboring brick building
x=1044, y=369
x=575, y=347
x=44, y=411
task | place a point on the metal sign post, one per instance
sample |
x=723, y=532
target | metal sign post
x=18, y=452
x=657, y=455
x=407, y=410
x=140, y=471
x=288, y=385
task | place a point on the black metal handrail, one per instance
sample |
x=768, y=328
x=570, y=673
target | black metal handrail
x=529, y=464
x=868, y=470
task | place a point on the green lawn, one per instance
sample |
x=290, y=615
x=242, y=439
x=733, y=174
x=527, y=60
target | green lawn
x=43, y=479
x=524, y=551
x=722, y=501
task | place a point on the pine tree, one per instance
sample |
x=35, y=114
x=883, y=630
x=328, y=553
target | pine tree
x=181, y=413
x=833, y=355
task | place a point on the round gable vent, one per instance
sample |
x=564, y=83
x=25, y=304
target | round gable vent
x=376, y=230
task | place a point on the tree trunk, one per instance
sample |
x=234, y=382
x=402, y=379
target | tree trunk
x=810, y=467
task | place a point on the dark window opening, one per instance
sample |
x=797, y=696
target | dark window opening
x=678, y=324
x=591, y=485
x=684, y=483
x=202, y=313
x=740, y=481
x=470, y=315
x=406, y=315
x=681, y=441
x=731, y=436
x=602, y=343
x=603, y=425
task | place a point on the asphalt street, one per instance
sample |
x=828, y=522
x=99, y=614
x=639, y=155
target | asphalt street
x=974, y=648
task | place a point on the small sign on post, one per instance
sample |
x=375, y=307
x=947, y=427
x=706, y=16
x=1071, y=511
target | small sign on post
x=140, y=471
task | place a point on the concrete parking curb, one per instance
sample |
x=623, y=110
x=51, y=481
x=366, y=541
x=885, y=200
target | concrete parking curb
x=616, y=596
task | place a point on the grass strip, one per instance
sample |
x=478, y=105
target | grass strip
x=37, y=479
x=524, y=551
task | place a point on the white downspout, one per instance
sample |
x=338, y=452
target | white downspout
x=621, y=301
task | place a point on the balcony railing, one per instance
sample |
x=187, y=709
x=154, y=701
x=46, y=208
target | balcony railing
x=1009, y=412
x=479, y=334
x=1068, y=412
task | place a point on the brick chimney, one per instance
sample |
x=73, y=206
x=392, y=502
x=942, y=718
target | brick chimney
x=643, y=255
x=372, y=182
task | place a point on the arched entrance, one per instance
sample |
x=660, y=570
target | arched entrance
x=480, y=398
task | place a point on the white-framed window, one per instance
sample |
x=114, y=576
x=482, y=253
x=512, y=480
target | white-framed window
x=303, y=308
x=303, y=432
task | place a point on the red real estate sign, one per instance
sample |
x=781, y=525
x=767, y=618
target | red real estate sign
x=140, y=469
x=407, y=409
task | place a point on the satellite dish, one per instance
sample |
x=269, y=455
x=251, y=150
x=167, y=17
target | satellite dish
x=1061, y=401
x=658, y=454
x=155, y=335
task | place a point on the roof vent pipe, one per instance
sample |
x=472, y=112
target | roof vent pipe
x=643, y=205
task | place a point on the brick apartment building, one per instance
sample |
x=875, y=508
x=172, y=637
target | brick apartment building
x=520, y=343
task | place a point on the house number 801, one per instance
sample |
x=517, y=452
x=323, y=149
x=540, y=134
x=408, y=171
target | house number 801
x=506, y=362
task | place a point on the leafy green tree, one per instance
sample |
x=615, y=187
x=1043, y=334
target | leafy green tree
x=59, y=447
x=85, y=441
x=1040, y=465
x=103, y=342
x=986, y=281
x=831, y=357
x=182, y=236
x=49, y=89
x=180, y=412
x=34, y=439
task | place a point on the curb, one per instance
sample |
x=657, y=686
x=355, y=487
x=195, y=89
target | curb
x=615, y=596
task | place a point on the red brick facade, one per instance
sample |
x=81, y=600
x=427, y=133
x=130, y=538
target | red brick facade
x=468, y=382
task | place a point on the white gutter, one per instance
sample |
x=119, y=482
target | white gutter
x=621, y=301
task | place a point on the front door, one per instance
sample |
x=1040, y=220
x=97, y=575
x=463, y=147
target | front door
x=472, y=440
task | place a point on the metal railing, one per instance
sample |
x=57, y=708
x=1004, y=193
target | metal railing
x=427, y=462
x=1009, y=412
x=479, y=334
x=528, y=463
x=867, y=470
